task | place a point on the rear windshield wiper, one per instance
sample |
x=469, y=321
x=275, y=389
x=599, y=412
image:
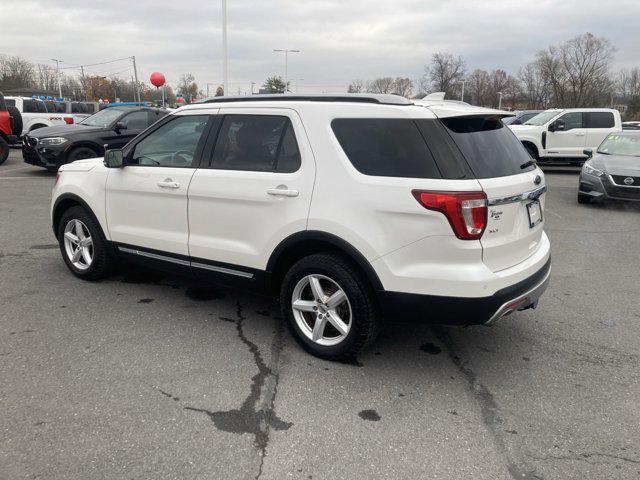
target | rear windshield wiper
x=527, y=164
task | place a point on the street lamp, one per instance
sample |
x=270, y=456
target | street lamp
x=286, y=64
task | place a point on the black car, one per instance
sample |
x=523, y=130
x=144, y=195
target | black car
x=51, y=147
x=613, y=171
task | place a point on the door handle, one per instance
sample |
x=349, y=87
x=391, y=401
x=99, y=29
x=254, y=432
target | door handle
x=168, y=183
x=282, y=191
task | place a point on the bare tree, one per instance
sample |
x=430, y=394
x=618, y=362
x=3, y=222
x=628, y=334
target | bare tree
x=628, y=86
x=357, y=86
x=577, y=71
x=535, y=93
x=381, y=85
x=402, y=86
x=187, y=87
x=16, y=72
x=478, y=88
x=446, y=73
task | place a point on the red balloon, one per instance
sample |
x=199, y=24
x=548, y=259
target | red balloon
x=180, y=100
x=157, y=79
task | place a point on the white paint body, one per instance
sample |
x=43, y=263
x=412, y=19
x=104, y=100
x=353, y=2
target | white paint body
x=228, y=216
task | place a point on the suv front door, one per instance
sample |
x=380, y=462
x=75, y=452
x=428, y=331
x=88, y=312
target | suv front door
x=255, y=192
x=146, y=200
x=568, y=141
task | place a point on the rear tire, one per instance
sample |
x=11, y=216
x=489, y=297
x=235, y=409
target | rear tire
x=582, y=198
x=339, y=325
x=97, y=260
x=4, y=150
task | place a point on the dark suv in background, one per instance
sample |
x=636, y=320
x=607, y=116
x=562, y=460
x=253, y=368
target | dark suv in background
x=52, y=147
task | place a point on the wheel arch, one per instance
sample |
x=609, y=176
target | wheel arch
x=63, y=203
x=532, y=144
x=302, y=244
x=87, y=144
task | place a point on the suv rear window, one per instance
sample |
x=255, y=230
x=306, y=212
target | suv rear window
x=490, y=148
x=393, y=147
x=598, y=120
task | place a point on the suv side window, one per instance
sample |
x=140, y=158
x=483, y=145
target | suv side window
x=385, y=147
x=258, y=143
x=599, y=120
x=10, y=102
x=135, y=120
x=571, y=120
x=173, y=144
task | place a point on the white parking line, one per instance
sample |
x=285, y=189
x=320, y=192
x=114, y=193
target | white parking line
x=552, y=212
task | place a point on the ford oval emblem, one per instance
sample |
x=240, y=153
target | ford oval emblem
x=537, y=180
x=628, y=181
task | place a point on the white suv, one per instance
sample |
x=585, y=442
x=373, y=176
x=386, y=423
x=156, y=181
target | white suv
x=352, y=209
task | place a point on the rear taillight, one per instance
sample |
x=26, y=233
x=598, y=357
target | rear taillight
x=466, y=211
x=68, y=120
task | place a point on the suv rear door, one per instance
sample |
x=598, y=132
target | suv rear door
x=254, y=192
x=513, y=185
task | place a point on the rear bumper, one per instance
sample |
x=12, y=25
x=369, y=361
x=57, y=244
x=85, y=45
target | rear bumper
x=443, y=310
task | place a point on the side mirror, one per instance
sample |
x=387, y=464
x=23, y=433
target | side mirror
x=557, y=126
x=120, y=126
x=588, y=152
x=113, y=158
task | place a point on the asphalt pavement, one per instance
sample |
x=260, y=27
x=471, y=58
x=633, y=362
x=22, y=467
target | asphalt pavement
x=145, y=376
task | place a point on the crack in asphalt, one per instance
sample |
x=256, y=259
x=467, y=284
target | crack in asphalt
x=489, y=408
x=585, y=457
x=250, y=417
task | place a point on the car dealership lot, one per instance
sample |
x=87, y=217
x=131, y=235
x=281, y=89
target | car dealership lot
x=146, y=376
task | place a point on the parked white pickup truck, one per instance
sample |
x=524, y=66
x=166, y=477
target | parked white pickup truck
x=562, y=135
x=35, y=115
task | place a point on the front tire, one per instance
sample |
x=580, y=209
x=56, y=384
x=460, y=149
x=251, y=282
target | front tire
x=329, y=306
x=81, y=153
x=83, y=245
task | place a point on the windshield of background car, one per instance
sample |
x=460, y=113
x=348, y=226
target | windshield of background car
x=542, y=118
x=490, y=148
x=617, y=144
x=103, y=118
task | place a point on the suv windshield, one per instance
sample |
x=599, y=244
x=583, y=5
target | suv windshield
x=490, y=148
x=542, y=118
x=617, y=144
x=103, y=118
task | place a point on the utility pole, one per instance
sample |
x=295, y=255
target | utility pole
x=462, y=96
x=499, y=100
x=286, y=65
x=135, y=74
x=84, y=82
x=225, y=54
x=58, y=76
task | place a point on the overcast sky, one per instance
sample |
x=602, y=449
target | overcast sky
x=339, y=39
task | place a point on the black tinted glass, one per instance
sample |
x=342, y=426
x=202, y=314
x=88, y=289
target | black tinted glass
x=50, y=106
x=289, y=155
x=249, y=142
x=490, y=148
x=599, y=120
x=385, y=147
x=10, y=102
x=29, y=106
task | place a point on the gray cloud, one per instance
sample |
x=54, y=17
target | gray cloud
x=340, y=39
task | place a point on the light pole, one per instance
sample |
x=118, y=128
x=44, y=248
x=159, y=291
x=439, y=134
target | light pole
x=462, y=96
x=225, y=55
x=499, y=100
x=58, y=76
x=286, y=65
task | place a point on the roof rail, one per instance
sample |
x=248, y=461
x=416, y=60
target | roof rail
x=383, y=99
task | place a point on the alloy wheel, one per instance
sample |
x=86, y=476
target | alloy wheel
x=322, y=310
x=78, y=244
